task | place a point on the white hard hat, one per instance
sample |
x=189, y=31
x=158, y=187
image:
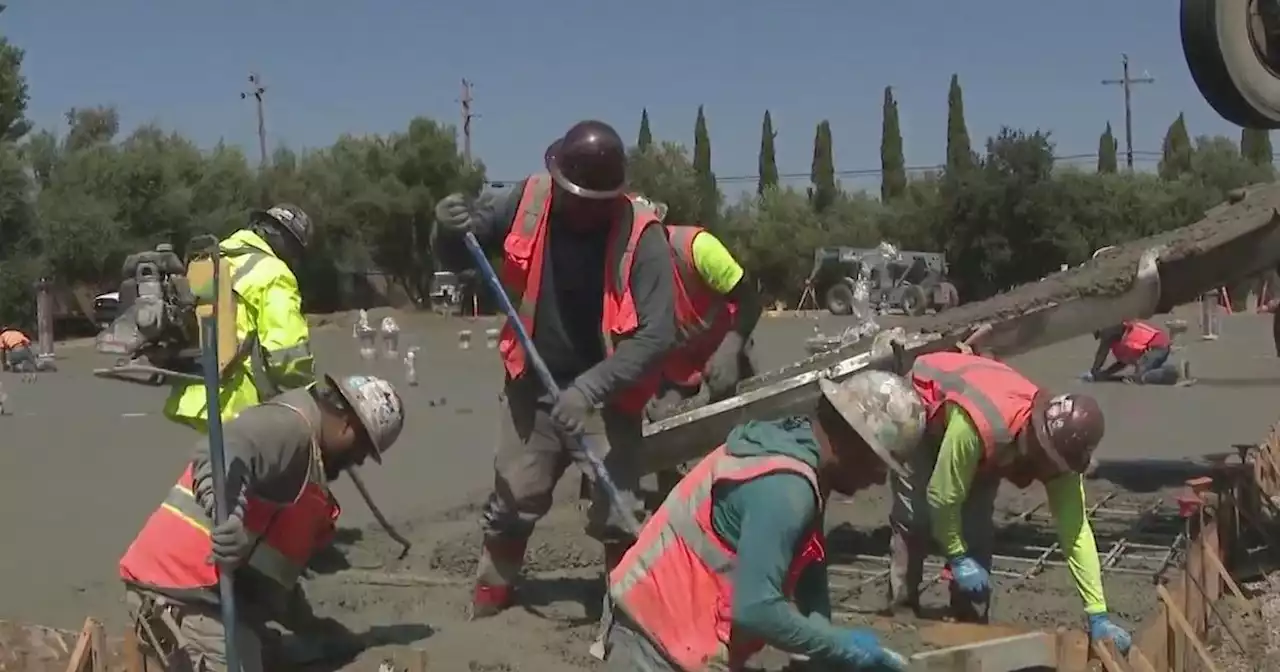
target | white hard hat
x=377, y=404
x=884, y=410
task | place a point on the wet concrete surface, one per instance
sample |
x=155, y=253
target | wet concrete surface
x=86, y=460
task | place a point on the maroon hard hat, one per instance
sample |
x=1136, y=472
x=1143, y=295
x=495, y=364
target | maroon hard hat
x=590, y=161
x=1069, y=428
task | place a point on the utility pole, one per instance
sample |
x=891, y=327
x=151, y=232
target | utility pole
x=1127, y=83
x=467, y=116
x=257, y=90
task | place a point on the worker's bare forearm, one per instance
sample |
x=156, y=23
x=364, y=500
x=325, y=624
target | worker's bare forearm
x=490, y=222
x=653, y=289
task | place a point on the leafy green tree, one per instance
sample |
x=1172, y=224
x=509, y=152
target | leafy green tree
x=13, y=92
x=664, y=173
x=645, y=140
x=768, y=162
x=822, y=172
x=1175, y=159
x=1255, y=145
x=959, y=154
x=893, y=165
x=706, y=177
x=1107, y=151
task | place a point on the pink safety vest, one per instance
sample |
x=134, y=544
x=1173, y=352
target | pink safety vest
x=676, y=582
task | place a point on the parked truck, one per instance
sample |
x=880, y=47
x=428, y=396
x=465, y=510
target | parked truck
x=893, y=280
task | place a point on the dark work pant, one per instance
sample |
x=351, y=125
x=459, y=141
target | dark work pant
x=1145, y=370
x=532, y=455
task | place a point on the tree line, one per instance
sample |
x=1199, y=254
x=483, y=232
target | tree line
x=76, y=199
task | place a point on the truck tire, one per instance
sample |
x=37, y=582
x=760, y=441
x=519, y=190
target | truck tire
x=946, y=296
x=914, y=300
x=1227, y=51
x=839, y=299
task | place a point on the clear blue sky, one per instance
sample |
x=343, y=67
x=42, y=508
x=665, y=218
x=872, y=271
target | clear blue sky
x=367, y=67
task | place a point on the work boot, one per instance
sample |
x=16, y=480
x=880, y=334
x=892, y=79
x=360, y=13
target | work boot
x=499, y=567
x=965, y=609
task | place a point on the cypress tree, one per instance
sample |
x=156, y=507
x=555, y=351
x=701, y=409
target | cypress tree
x=959, y=153
x=1255, y=146
x=1176, y=155
x=702, y=165
x=822, y=173
x=646, y=137
x=893, y=166
x=768, y=162
x=1107, y=151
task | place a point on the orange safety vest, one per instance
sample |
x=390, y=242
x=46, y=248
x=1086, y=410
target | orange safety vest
x=997, y=399
x=676, y=582
x=12, y=338
x=171, y=553
x=524, y=254
x=1138, y=338
x=703, y=315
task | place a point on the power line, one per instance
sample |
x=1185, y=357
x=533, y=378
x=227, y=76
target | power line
x=1127, y=83
x=1146, y=156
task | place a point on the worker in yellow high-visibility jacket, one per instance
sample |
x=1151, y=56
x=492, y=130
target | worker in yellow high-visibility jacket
x=264, y=257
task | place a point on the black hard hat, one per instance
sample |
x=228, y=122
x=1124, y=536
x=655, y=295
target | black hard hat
x=590, y=161
x=288, y=217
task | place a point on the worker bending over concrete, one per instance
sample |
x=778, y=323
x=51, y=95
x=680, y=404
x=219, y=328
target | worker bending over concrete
x=15, y=347
x=280, y=456
x=589, y=269
x=735, y=558
x=1137, y=344
x=264, y=257
x=987, y=424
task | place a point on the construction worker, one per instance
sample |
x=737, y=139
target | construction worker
x=1142, y=345
x=265, y=257
x=589, y=269
x=734, y=559
x=280, y=458
x=987, y=424
x=15, y=347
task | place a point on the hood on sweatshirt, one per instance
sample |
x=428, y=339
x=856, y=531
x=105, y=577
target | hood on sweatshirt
x=792, y=436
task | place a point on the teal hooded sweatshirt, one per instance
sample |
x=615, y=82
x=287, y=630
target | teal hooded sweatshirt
x=765, y=520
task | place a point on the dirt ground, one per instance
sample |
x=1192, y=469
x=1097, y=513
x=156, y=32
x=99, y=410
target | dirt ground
x=85, y=460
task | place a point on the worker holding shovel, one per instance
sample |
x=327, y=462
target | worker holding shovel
x=280, y=456
x=589, y=276
x=734, y=559
x=988, y=424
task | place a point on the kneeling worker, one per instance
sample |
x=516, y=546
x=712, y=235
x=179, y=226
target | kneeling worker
x=986, y=424
x=1135, y=343
x=735, y=559
x=15, y=349
x=280, y=456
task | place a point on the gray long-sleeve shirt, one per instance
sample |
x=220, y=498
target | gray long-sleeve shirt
x=268, y=452
x=568, y=316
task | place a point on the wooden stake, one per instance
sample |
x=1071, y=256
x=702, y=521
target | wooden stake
x=133, y=661
x=1176, y=615
x=82, y=656
x=1138, y=660
x=1215, y=564
x=97, y=645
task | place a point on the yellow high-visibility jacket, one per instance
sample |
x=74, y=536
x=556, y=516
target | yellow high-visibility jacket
x=269, y=313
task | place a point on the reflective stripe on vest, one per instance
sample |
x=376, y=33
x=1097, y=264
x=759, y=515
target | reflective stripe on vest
x=997, y=399
x=243, y=260
x=1138, y=337
x=676, y=582
x=702, y=306
x=525, y=253
x=172, y=550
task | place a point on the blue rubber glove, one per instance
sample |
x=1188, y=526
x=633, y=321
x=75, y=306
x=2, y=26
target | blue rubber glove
x=867, y=653
x=1101, y=628
x=971, y=577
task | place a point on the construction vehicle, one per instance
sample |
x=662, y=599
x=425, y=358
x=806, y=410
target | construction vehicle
x=882, y=278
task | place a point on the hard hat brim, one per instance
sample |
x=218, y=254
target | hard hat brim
x=831, y=392
x=260, y=215
x=365, y=423
x=551, y=161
